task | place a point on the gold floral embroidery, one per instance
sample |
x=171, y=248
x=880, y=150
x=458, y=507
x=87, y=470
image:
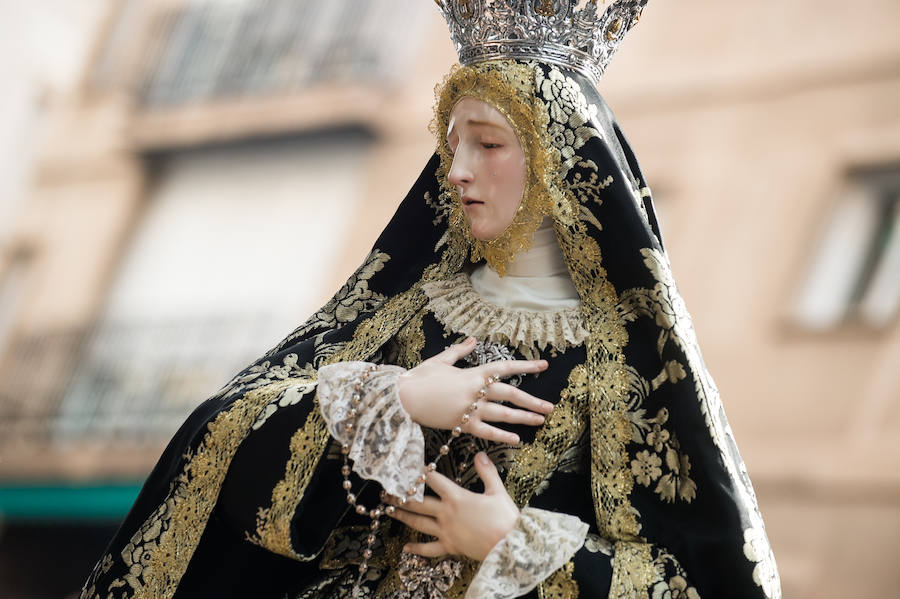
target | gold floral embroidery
x=758, y=551
x=675, y=588
x=664, y=304
x=570, y=114
x=560, y=585
x=410, y=341
x=158, y=553
x=266, y=373
x=607, y=381
x=353, y=298
x=273, y=524
x=535, y=462
x=633, y=571
x=664, y=448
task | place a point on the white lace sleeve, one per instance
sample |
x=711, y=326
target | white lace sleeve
x=386, y=445
x=541, y=542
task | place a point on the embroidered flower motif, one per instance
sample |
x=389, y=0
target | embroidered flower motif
x=646, y=467
x=567, y=103
x=676, y=588
x=562, y=139
x=597, y=544
x=567, y=140
x=677, y=482
x=657, y=437
x=757, y=549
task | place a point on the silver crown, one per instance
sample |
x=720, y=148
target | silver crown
x=555, y=31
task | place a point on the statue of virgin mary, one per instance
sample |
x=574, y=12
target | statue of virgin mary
x=507, y=398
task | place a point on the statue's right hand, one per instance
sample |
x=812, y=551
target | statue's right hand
x=436, y=394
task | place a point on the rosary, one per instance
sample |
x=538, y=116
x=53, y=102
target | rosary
x=383, y=508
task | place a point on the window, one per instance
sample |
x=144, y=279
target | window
x=855, y=271
x=237, y=246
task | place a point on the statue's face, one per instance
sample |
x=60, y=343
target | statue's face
x=488, y=166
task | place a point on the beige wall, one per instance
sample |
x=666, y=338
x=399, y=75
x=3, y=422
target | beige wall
x=746, y=118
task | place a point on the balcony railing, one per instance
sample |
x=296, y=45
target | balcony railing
x=201, y=50
x=123, y=383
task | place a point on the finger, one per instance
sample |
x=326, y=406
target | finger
x=432, y=549
x=487, y=471
x=430, y=506
x=505, y=368
x=457, y=351
x=492, y=412
x=441, y=485
x=492, y=433
x=421, y=523
x=508, y=393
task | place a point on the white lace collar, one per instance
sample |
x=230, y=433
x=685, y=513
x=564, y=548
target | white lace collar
x=456, y=305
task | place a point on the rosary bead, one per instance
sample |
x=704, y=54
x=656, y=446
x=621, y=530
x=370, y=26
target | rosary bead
x=431, y=467
x=361, y=509
x=422, y=478
x=347, y=485
x=367, y=553
x=345, y=470
x=482, y=393
x=370, y=539
x=351, y=498
x=465, y=418
x=356, y=398
x=445, y=449
x=345, y=449
x=389, y=510
x=374, y=525
x=375, y=514
x=402, y=500
x=456, y=431
x=353, y=412
x=474, y=406
x=411, y=491
x=363, y=567
x=348, y=427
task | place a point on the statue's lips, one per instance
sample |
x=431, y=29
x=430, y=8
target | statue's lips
x=466, y=202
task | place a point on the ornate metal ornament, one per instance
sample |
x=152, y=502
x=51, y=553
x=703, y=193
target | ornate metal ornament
x=573, y=34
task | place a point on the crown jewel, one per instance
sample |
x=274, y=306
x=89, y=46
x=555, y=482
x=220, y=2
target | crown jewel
x=569, y=33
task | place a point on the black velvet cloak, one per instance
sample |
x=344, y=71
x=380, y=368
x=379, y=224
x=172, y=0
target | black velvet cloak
x=246, y=500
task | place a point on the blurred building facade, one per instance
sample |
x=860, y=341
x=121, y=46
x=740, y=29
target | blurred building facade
x=163, y=197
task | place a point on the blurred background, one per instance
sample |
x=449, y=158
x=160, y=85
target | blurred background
x=182, y=182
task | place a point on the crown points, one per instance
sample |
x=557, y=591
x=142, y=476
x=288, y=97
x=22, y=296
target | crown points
x=570, y=33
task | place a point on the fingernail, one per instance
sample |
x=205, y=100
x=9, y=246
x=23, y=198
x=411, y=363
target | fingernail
x=405, y=549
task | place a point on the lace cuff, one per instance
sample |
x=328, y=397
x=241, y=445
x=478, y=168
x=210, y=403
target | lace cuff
x=540, y=544
x=386, y=445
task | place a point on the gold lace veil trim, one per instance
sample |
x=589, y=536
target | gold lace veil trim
x=509, y=87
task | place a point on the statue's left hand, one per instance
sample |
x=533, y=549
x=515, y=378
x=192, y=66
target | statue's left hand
x=463, y=522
